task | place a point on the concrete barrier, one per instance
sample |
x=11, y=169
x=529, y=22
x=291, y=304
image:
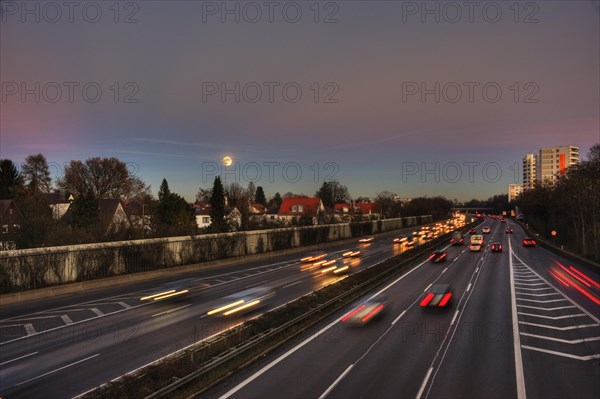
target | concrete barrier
x=44, y=267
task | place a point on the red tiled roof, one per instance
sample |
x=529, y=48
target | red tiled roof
x=309, y=205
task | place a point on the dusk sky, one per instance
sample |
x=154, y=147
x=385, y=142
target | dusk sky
x=362, y=117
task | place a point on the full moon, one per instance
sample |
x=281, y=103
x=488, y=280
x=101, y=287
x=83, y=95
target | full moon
x=227, y=161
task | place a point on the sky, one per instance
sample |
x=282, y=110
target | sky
x=416, y=98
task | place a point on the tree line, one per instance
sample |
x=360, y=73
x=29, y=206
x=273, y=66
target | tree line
x=570, y=206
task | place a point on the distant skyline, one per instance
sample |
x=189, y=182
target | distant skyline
x=379, y=108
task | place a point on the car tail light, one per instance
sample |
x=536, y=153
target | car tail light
x=355, y=311
x=372, y=313
x=426, y=300
x=431, y=256
x=445, y=299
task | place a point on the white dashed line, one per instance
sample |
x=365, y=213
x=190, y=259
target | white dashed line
x=66, y=319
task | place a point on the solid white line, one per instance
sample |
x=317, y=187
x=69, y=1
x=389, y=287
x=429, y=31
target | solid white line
x=66, y=319
x=555, y=317
x=424, y=383
x=530, y=285
x=294, y=283
x=58, y=369
x=337, y=380
x=568, y=355
x=534, y=289
x=29, y=329
x=18, y=358
x=454, y=318
x=538, y=295
x=564, y=341
x=427, y=287
x=171, y=310
x=399, y=317
x=97, y=311
x=519, y=374
x=559, y=328
x=469, y=287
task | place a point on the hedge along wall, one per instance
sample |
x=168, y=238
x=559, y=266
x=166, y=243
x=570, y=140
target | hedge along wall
x=41, y=267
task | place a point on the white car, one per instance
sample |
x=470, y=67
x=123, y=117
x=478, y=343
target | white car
x=486, y=230
x=475, y=247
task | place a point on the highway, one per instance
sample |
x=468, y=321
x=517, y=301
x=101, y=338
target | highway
x=520, y=325
x=64, y=346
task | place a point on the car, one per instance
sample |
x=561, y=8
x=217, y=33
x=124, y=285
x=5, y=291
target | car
x=243, y=302
x=313, y=257
x=457, y=238
x=366, y=240
x=364, y=312
x=509, y=231
x=401, y=240
x=174, y=290
x=475, y=247
x=496, y=247
x=529, y=242
x=410, y=242
x=502, y=220
x=472, y=231
x=438, y=256
x=438, y=296
x=351, y=254
x=486, y=230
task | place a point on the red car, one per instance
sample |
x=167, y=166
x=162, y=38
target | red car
x=496, y=247
x=509, y=231
x=438, y=296
x=472, y=231
x=529, y=242
x=438, y=256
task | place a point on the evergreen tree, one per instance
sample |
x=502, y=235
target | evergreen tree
x=36, y=173
x=260, y=196
x=217, y=207
x=276, y=201
x=10, y=179
x=164, y=191
x=85, y=211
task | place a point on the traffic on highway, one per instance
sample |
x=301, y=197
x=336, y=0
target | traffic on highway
x=454, y=318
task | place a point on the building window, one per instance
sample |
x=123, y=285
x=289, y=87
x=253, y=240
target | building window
x=297, y=208
x=205, y=219
x=4, y=229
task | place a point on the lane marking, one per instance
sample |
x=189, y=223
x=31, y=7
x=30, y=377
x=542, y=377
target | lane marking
x=294, y=283
x=454, y=318
x=97, y=311
x=469, y=287
x=444, y=270
x=568, y=355
x=255, y=284
x=126, y=306
x=559, y=328
x=519, y=374
x=538, y=295
x=399, y=317
x=337, y=380
x=535, y=300
x=553, y=317
x=564, y=341
x=171, y=310
x=66, y=319
x=534, y=289
x=56, y=370
x=530, y=285
x=18, y=358
x=429, y=286
x=424, y=383
x=547, y=309
x=29, y=329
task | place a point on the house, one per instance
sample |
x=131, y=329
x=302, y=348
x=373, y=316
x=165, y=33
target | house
x=111, y=214
x=232, y=215
x=139, y=215
x=365, y=210
x=10, y=223
x=297, y=210
x=59, y=203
